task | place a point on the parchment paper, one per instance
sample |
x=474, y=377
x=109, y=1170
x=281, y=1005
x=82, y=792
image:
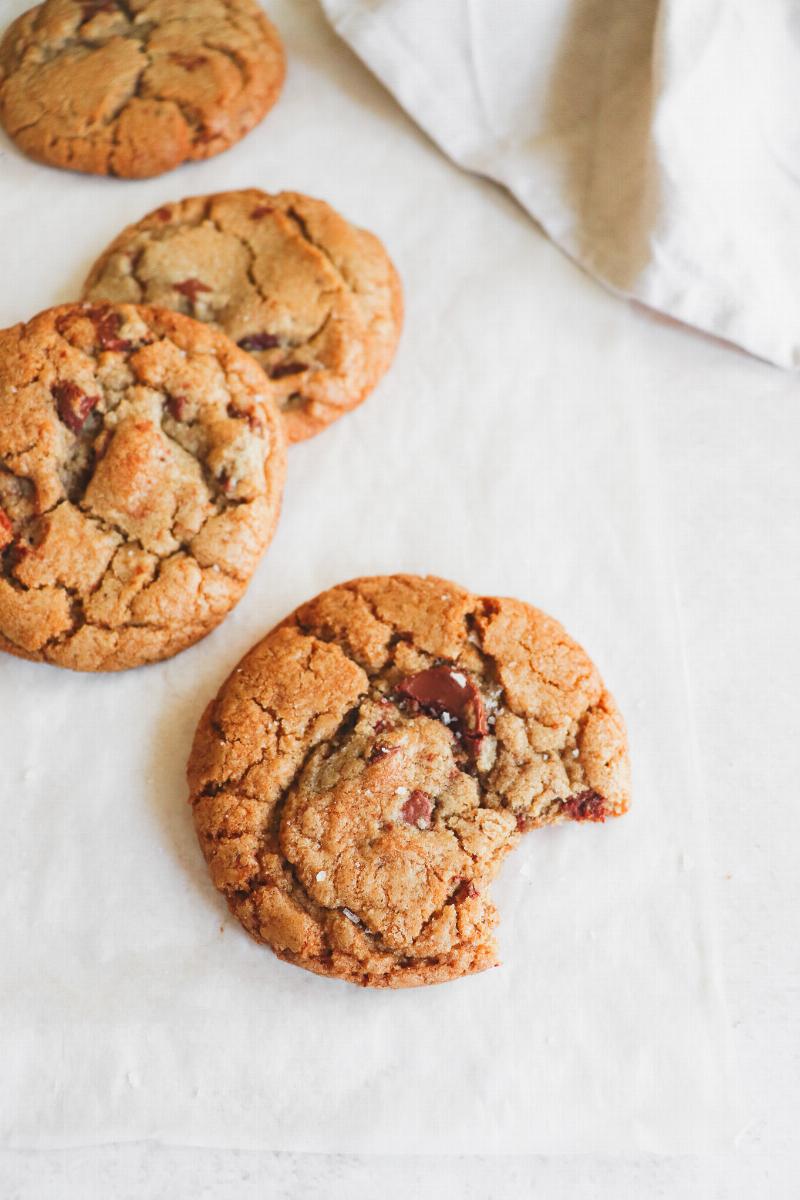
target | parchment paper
x=511, y=449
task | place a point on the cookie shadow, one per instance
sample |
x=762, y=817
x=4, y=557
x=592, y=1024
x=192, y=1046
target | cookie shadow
x=601, y=97
x=168, y=791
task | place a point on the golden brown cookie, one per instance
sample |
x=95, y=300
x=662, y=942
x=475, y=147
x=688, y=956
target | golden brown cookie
x=315, y=300
x=136, y=87
x=141, y=474
x=363, y=772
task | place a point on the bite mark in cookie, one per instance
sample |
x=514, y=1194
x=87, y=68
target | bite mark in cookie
x=141, y=471
x=363, y=773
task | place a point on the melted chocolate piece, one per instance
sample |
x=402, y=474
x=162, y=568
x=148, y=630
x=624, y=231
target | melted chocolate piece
x=240, y=414
x=586, y=806
x=176, y=406
x=259, y=341
x=262, y=211
x=107, y=324
x=283, y=369
x=418, y=807
x=465, y=891
x=191, y=288
x=445, y=692
x=381, y=750
x=73, y=404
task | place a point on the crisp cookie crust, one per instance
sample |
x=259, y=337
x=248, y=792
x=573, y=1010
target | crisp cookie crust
x=363, y=772
x=136, y=87
x=315, y=300
x=141, y=475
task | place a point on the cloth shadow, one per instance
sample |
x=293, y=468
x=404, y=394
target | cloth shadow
x=597, y=123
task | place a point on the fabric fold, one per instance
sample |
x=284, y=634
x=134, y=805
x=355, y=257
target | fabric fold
x=655, y=143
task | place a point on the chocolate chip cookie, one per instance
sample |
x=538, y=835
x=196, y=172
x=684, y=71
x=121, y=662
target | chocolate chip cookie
x=315, y=300
x=136, y=87
x=364, y=771
x=141, y=474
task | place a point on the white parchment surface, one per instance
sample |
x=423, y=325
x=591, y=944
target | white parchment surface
x=512, y=448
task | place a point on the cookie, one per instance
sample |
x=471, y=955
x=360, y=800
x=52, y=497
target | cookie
x=362, y=774
x=315, y=300
x=136, y=87
x=141, y=474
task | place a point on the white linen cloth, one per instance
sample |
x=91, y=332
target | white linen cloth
x=512, y=448
x=656, y=141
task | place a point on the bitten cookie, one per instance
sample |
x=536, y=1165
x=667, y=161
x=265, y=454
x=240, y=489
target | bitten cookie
x=363, y=772
x=141, y=474
x=315, y=300
x=136, y=87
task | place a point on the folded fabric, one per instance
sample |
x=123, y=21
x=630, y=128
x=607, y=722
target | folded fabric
x=658, y=144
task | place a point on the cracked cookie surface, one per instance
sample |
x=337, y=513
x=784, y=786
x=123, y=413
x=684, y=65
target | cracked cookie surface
x=360, y=777
x=136, y=87
x=315, y=300
x=141, y=476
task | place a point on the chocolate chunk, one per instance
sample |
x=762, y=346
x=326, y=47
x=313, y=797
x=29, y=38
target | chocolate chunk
x=261, y=211
x=107, y=325
x=381, y=750
x=73, y=404
x=452, y=696
x=283, y=369
x=176, y=406
x=586, y=806
x=240, y=414
x=466, y=890
x=417, y=808
x=191, y=288
x=259, y=341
